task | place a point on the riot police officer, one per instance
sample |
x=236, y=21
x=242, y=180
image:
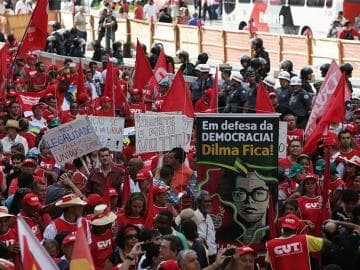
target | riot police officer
x=236, y=100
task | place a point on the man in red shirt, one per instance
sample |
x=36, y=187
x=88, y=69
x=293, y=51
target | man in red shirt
x=348, y=31
x=135, y=105
x=203, y=104
x=292, y=131
x=39, y=80
x=346, y=145
x=107, y=108
x=71, y=114
x=295, y=149
x=8, y=235
x=292, y=249
x=139, y=11
x=31, y=213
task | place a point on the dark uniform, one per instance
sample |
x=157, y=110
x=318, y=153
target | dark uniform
x=300, y=103
x=307, y=86
x=283, y=95
x=264, y=54
x=236, y=100
x=187, y=69
x=198, y=87
x=251, y=97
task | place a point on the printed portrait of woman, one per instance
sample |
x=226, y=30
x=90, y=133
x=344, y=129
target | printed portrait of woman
x=247, y=198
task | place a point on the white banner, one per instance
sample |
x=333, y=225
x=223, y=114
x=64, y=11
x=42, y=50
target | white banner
x=162, y=132
x=109, y=130
x=282, y=139
x=72, y=140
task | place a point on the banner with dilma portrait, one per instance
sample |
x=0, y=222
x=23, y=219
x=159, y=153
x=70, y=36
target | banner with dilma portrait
x=238, y=156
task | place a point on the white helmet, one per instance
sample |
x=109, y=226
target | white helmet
x=295, y=81
x=237, y=77
x=284, y=75
x=269, y=81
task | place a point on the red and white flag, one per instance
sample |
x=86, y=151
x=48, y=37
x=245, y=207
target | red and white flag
x=28, y=100
x=143, y=72
x=38, y=256
x=36, y=34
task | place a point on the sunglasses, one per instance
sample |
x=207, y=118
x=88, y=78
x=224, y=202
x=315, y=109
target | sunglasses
x=131, y=236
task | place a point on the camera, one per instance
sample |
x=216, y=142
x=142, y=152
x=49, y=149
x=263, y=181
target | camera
x=151, y=250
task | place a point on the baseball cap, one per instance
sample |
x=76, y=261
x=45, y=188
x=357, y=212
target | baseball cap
x=143, y=174
x=113, y=192
x=94, y=199
x=290, y=221
x=70, y=238
x=31, y=199
x=311, y=176
x=168, y=265
x=295, y=168
x=245, y=250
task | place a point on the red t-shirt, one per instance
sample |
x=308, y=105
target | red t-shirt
x=130, y=111
x=201, y=106
x=10, y=238
x=34, y=226
x=101, y=248
x=30, y=138
x=123, y=220
x=66, y=117
x=39, y=79
x=139, y=13
x=350, y=154
x=101, y=112
x=297, y=133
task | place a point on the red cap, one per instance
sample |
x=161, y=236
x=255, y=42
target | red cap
x=29, y=161
x=105, y=99
x=83, y=97
x=159, y=189
x=143, y=174
x=52, y=67
x=49, y=95
x=31, y=199
x=135, y=91
x=272, y=94
x=94, y=199
x=290, y=221
x=70, y=238
x=20, y=81
x=113, y=192
x=311, y=176
x=12, y=93
x=352, y=128
x=245, y=250
x=168, y=265
x=31, y=57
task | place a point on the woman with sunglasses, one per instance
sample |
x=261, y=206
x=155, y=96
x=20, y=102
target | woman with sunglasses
x=127, y=238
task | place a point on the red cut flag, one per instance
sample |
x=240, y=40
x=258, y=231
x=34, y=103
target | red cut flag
x=80, y=80
x=143, y=72
x=263, y=102
x=29, y=263
x=214, y=96
x=109, y=80
x=81, y=255
x=160, y=70
x=178, y=98
x=126, y=189
x=36, y=32
x=334, y=114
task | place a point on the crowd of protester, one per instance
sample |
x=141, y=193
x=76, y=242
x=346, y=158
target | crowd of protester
x=54, y=199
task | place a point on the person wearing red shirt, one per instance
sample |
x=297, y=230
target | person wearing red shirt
x=70, y=115
x=292, y=249
x=295, y=149
x=310, y=204
x=159, y=100
x=47, y=163
x=346, y=145
x=30, y=65
x=8, y=235
x=203, y=104
x=161, y=201
x=101, y=235
x=39, y=80
x=292, y=131
x=107, y=108
x=31, y=213
x=134, y=211
x=139, y=11
x=135, y=105
x=348, y=31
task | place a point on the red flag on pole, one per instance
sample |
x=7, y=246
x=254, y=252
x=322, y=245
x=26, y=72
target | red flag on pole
x=178, y=98
x=80, y=80
x=36, y=32
x=160, y=71
x=126, y=188
x=263, y=102
x=214, y=96
x=143, y=72
x=110, y=83
x=334, y=114
x=29, y=263
x=81, y=256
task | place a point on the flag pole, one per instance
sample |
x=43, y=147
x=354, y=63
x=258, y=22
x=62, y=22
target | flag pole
x=23, y=37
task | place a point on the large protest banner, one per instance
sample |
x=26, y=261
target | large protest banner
x=109, y=130
x=72, y=140
x=238, y=155
x=161, y=132
x=28, y=100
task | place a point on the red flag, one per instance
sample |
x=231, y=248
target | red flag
x=271, y=218
x=126, y=189
x=150, y=203
x=36, y=32
x=81, y=255
x=109, y=81
x=143, y=72
x=29, y=263
x=178, y=98
x=80, y=80
x=334, y=114
x=263, y=102
x=3, y=67
x=214, y=96
x=160, y=70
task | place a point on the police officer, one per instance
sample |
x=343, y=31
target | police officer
x=236, y=100
x=283, y=93
x=204, y=81
x=324, y=68
x=202, y=58
x=245, y=63
x=305, y=74
x=187, y=68
x=225, y=85
x=300, y=102
x=347, y=68
x=251, y=90
x=259, y=51
x=287, y=65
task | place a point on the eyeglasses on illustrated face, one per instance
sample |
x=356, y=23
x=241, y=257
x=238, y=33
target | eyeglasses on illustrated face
x=257, y=194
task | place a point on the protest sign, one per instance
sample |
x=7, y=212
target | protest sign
x=282, y=139
x=72, y=140
x=238, y=155
x=109, y=130
x=162, y=132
